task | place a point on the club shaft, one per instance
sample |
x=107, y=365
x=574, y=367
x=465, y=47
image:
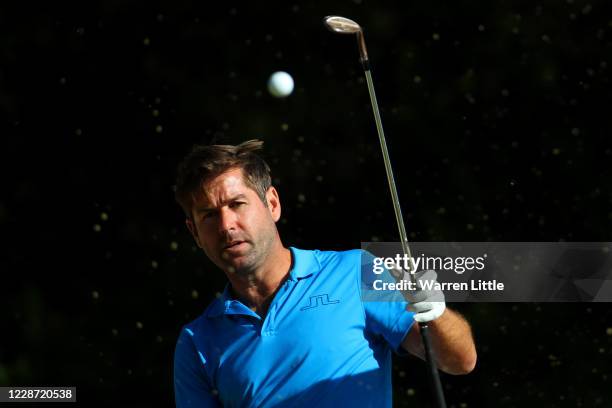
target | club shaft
x=434, y=376
x=387, y=160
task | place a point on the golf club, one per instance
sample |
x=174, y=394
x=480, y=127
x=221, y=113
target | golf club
x=344, y=25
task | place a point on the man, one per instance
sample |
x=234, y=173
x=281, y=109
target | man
x=290, y=328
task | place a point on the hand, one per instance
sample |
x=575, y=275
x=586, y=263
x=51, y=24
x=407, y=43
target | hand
x=428, y=304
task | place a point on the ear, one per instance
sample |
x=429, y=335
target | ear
x=273, y=203
x=194, y=231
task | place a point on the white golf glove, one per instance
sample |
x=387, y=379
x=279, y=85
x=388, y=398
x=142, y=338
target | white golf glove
x=427, y=304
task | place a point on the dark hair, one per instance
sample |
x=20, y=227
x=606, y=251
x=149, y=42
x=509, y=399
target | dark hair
x=204, y=163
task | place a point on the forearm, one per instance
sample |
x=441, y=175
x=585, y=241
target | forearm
x=452, y=343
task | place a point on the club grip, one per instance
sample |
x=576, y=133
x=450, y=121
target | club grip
x=434, y=375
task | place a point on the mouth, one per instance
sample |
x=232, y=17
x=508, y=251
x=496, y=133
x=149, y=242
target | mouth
x=234, y=245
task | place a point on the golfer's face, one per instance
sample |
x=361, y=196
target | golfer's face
x=232, y=225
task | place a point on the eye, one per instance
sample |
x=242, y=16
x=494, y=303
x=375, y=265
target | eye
x=236, y=204
x=207, y=215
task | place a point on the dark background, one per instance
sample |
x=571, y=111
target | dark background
x=498, y=121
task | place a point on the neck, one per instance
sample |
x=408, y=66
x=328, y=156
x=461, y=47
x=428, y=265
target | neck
x=258, y=289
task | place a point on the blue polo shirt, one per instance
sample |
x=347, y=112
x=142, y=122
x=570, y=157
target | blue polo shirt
x=319, y=344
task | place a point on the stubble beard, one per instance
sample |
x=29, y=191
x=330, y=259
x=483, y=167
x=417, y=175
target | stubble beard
x=255, y=257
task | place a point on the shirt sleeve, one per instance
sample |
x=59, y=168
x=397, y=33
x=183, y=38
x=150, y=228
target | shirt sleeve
x=192, y=387
x=385, y=311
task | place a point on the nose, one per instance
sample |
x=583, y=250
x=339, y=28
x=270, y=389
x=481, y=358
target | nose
x=227, y=220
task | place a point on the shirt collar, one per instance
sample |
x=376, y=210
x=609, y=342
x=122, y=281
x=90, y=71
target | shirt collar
x=304, y=264
x=227, y=305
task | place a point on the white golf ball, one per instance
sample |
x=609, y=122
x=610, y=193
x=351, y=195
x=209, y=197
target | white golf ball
x=280, y=84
